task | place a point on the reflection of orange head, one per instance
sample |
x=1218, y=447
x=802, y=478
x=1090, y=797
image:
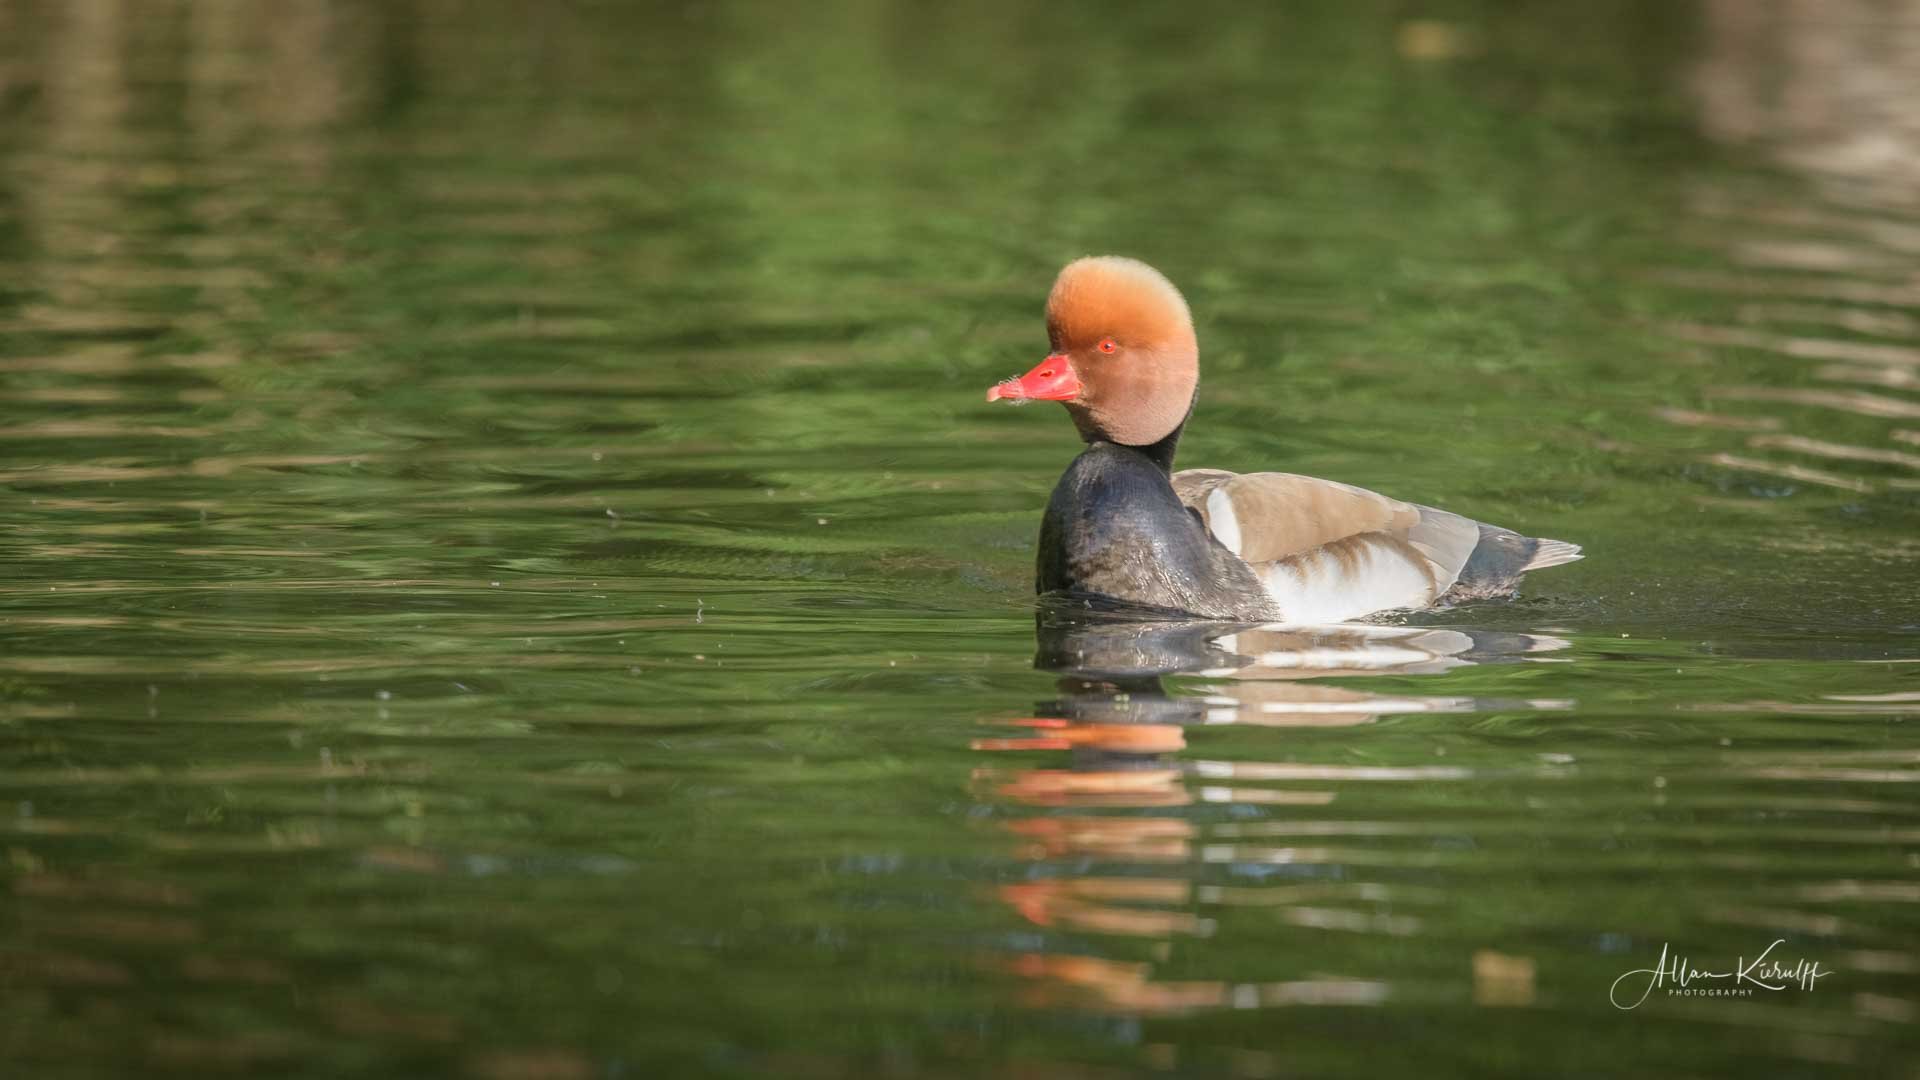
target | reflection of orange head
x=1065, y=979
x=1103, y=905
x=1062, y=979
x=1119, y=738
x=1061, y=787
x=1140, y=839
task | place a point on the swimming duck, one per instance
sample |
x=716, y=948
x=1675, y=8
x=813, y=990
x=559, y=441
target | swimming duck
x=1122, y=527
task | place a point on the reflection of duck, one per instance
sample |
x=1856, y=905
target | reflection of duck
x=1123, y=729
x=1123, y=526
x=1093, y=645
x=1121, y=724
x=1815, y=285
x=1264, y=670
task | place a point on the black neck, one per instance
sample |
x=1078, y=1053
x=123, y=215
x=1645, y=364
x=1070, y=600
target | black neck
x=1161, y=453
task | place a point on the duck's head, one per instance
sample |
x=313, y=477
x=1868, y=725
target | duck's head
x=1124, y=359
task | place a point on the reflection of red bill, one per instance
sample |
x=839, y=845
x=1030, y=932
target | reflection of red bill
x=1038, y=743
x=1021, y=744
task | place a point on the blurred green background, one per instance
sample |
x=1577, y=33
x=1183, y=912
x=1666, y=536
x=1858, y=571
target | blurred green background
x=508, y=571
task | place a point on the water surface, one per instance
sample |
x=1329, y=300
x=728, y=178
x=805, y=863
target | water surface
x=508, y=571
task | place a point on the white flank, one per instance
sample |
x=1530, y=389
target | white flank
x=1362, y=658
x=1316, y=587
x=1371, y=705
x=1221, y=520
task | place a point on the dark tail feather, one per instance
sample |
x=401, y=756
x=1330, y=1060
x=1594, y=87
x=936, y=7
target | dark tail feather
x=1551, y=553
x=1500, y=558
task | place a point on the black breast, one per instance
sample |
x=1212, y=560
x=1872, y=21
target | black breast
x=1115, y=531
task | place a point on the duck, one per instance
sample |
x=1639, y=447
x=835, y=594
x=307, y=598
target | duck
x=1123, y=530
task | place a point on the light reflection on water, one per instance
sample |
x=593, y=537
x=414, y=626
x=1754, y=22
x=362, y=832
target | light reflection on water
x=1826, y=273
x=507, y=574
x=1138, y=836
x=1125, y=732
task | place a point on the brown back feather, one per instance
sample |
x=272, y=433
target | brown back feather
x=1282, y=514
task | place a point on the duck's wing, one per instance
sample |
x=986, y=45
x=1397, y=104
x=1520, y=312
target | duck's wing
x=1269, y=515
x=1328, y=551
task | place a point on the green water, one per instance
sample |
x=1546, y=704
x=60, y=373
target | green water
x=508, y=572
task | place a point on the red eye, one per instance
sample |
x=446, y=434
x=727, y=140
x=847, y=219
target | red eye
x=1108, y=345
